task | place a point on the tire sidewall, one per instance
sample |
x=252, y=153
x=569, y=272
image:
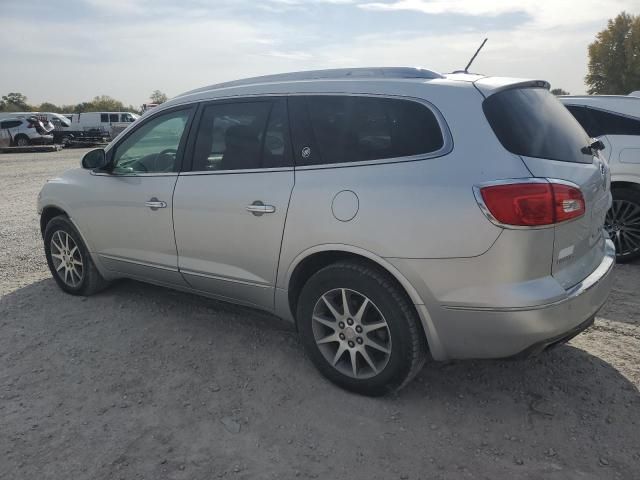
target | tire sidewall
x=64, y=224
x=24, y=138
x=400, y=361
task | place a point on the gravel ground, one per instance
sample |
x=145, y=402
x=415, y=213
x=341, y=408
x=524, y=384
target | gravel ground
x=143, y=382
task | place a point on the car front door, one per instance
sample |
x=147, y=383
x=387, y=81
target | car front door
x=129, y=213
x=230, y=208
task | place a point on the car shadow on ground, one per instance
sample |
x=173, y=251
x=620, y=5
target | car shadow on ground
x=178, y=386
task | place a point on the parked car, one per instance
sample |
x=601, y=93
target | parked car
x=615, y=119
x=23, y=132
x=5, y=139
x=96, y=124
x=56, y=119
x=390, y=213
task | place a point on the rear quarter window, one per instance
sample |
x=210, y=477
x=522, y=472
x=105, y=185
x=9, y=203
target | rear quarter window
x=531, y=122
x=352, y=129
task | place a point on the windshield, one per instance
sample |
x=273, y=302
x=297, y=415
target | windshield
x=533, y=123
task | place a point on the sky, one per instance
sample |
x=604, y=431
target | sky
x=69, y=51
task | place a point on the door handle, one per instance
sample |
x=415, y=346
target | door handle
x=258, y=208
x=155, y=204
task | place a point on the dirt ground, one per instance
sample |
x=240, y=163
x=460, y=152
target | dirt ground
x=143, y=382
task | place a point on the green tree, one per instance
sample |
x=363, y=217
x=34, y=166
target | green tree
x=158, y=97
x=49, y=107
x=559, y=91
x=614, y=58
x=14, y=102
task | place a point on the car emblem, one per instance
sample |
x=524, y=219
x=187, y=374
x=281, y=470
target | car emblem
x=306, y=152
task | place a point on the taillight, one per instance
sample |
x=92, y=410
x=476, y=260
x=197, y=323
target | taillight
x=533, y=204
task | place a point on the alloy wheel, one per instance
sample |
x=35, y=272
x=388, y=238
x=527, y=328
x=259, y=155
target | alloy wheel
x=623, y=225
x=66, y=258
x=351, y=333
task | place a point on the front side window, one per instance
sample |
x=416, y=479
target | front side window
x=237, y=136
x=608, y=123
x=153, y=146
x=353, y=129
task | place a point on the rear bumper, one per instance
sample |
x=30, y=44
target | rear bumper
x=468, y=332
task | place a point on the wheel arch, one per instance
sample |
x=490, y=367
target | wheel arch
x=48, y=213
x=615, y=184
x=315, y=258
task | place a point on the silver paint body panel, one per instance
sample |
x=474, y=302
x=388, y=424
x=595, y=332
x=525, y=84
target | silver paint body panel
x=479, y=289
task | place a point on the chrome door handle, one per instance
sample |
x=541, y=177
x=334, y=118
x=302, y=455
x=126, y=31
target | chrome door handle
x=258, y=208
x=155, y=204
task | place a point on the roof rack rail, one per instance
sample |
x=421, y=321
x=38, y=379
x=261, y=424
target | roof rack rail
x=331, y=74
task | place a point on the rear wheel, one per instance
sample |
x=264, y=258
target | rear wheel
x=359, y=329
x=69, y=260
x=623, y=223
x=22, y=141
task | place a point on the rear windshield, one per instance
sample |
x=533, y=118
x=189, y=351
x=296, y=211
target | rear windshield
x=533, y=123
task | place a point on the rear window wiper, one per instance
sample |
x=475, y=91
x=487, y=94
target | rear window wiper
x=595, y=146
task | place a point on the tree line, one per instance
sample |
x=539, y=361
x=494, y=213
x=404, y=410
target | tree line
x=17, y=102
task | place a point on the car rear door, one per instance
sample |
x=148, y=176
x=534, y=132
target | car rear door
x=230, y=208
x=532, y=123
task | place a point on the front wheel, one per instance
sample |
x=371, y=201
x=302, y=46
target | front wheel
x=69, y=260
x=359, y=329
x=623, y=223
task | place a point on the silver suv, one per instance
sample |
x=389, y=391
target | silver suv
x=391, y=213
x=23, y=132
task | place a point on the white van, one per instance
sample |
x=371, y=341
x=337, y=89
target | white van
x=96, y=124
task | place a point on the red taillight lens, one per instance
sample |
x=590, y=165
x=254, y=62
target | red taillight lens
x=533, y=204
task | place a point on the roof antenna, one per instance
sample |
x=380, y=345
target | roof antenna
x=466, y=69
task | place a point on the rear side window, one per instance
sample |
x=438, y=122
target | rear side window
x=113, y=117
x=608, y=123
x=240, y=136
x=104, y=117
x=354, y=129
x=11, y=124
x=533, y=123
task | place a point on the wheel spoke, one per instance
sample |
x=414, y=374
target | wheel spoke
x=331, y=308
x=326, y=323
x=360, y=313
x=345, y=304
x=373, y=326
x=73, y=251
x=377, y=346
x=328, y=339
x=57, y=255
x=60, y=266
x=354, y=362
x=367, y=359
x=341, y=349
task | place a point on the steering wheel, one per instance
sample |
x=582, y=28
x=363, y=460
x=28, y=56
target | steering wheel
x=167, y=165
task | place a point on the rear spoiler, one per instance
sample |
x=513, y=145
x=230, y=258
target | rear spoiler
x=492, y=85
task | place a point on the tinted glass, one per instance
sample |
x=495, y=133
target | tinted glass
x=153, y=146
x=584, y=118
x=104, y=117
x=113, y=117
x=607, y=123
x=353, y=129
x=11, y=124
x=236, y=136
x=533, y=123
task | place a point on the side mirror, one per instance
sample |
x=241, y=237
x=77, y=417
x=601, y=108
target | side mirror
x=95, y=159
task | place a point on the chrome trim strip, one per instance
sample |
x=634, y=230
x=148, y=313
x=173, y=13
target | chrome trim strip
x=225, y=279
x=137, y=262
x=601, y=271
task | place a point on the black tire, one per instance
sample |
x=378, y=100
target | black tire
x=91, y=281
x=21, y=141
x=407, y=341
x=627, y=247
